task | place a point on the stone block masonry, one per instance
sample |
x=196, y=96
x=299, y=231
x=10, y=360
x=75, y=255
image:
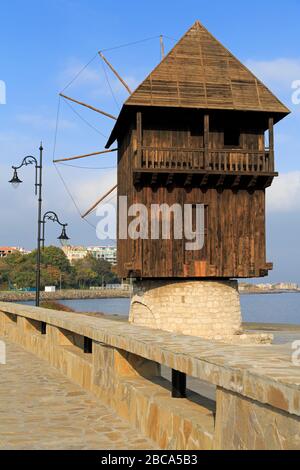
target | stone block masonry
x=206, y=308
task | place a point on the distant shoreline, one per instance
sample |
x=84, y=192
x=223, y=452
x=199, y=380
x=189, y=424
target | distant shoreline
x=271, y=291
x=79, y=294
x=65, y=294
x=271, y=327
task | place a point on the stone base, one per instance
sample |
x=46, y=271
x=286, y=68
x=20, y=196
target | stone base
x=206, y=308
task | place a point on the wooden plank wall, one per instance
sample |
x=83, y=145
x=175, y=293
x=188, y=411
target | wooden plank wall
x=187, y=130
x=235, y=240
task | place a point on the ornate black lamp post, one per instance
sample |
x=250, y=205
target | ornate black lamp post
x=63, y=238
x=15, y=181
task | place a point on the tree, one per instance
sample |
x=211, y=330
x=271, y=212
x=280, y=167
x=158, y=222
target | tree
x=54, y=256
x=90, y=270
x=4, y=272
x=20, y=270
x=50, y=276
x=84, y=272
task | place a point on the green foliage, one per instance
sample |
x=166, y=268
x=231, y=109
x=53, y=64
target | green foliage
x=90, y=271
x=53, y=256
x=19, y=271
x=4, y=271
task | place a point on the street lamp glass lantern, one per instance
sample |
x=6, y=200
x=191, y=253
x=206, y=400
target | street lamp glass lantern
x=63, y=238
x=15, y=181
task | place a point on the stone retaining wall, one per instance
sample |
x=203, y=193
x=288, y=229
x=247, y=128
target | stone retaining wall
x=64, y=294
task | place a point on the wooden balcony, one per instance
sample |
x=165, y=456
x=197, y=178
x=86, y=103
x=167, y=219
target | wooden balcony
x=170, y=160
x=224, y=168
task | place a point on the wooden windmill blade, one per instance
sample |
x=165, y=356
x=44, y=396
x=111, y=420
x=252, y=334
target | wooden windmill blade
x=162, y=47
x=77, y=157
x=115, y=72
x=81, y=103
x=93, y=207
x=100, y=111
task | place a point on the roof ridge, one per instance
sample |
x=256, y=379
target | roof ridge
x=192, y=79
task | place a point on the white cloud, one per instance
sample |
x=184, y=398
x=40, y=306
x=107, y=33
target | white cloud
x=92, y=189
x=284, y=194
x=279, y=72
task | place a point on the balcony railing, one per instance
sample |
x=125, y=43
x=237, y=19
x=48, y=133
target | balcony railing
x=224, y=160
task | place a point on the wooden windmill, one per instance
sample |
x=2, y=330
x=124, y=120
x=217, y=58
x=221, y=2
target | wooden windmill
x=198, y=130
x=194, y=131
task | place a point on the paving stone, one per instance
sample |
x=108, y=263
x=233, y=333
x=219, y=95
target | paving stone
x=40, y=409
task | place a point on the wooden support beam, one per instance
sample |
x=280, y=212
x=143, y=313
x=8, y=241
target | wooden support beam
x=88, y=106
x=170, y=179
x=98, y=202
x=154, y=179
x=162, y=47
x=221, y=180
x=269, y=266
x=139, y=138
x=206, y=140
x=137, y=176
x=115, y=72
x=188, y=180
x=236, y=184
x=253, y=182
x=268, y=181
x=271, y=144
x=220, y=183
x=77, y=157
x=204, y=180
x=236, y=181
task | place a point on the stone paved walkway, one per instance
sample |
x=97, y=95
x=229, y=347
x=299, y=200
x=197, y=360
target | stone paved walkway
x=42, y=409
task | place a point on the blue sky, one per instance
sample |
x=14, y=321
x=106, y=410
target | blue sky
x=43, y=44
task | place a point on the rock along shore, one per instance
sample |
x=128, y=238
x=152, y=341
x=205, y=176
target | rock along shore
x=64, y=294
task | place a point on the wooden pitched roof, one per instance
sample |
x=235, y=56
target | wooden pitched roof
x=199, y=72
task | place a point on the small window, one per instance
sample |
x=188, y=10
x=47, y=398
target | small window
x=232, y=138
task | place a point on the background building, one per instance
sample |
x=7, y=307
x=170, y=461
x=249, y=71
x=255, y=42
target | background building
x=108, y=253
x=74, y=253
x=8, y=250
